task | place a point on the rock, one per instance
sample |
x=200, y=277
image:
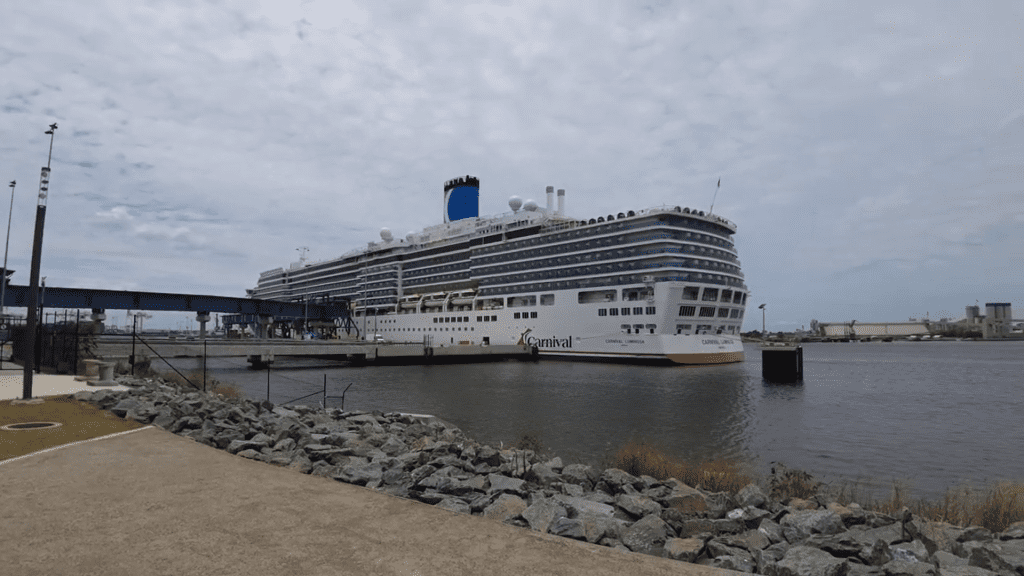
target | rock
x=582, y=506
x=505, y=507
x=596, y=528
x=797, y=526
x=542, y=475
x=637, y=506
x=696, y=526
x=454, y=504
x=750, y=540
x=934, y=535
x=877, y=554
x=487, y=455
x=359, y=474
x=849, y=515
x=1001, y=557
x=685, y=549
x=122, y=407
x=719, y=504
x=542, y=513
x=504, y=484
x=617, y=479
x=685, y=499
x=772, y=530
x=568, y=528
x=736, y=563
x=1014, y=531
x=807, y=561
x=975, y=534
x=581, y=475
x=300, y=463
x=393, y=446
x=902, y=568
x=555, y=464
x=572, y=490
x=716, y=548
x=965, y=571
x=237, y=446
x=769, y=556
x=456, y=487
x=944, y=559
x=910, y=552
x=646, y=534
x=751, y=495
x=250, y=454
x=801, y=504
x=429, y=497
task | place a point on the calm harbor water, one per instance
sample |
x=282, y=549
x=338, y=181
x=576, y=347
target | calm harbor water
x=935, y=414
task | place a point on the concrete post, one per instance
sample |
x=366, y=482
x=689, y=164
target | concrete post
x=266, y=321
x=98, y=316
x=202, y=318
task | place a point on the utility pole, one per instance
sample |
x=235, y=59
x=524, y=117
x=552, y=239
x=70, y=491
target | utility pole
x=762, y=320
x=33, y=283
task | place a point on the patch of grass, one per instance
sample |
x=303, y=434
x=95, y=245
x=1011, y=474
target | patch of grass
x=642, y=458
x=789, y=483
x=79, y=421
x=993, y=508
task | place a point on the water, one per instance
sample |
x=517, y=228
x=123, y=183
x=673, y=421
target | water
x=935, y=414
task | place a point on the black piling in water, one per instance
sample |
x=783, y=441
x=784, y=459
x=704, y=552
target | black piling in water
x=782, y=364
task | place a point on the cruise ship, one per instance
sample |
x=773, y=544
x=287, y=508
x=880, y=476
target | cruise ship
x=653, y=285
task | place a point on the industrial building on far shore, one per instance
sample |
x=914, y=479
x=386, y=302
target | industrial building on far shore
x=996, y=323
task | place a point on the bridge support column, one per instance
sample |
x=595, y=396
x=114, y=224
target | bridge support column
x=202, y=318
x=266, y=322
x=98, y=316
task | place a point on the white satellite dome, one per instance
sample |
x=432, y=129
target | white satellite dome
x=515, y=203
x=530, y=206
x=410, y=236
x=385, y=234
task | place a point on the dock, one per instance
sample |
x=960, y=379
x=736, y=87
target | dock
x=261, y=352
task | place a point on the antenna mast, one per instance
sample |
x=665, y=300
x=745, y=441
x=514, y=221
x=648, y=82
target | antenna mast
x=715, y=196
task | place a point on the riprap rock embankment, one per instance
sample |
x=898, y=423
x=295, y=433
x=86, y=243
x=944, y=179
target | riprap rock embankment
x=426, y=459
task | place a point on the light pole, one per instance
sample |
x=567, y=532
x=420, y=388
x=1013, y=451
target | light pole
x=33, y=283
x=3, y=287
x=762, y=320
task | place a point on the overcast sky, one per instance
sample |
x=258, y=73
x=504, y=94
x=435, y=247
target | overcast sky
x=869, y=152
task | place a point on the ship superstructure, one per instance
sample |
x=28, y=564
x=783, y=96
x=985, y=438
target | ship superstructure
x=660, y=284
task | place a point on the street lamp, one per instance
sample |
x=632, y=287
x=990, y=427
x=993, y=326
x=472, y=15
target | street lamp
x=3, y=287
x=762, y=320
x=37, y=254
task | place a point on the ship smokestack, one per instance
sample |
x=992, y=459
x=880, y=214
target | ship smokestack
x=551, y=199
x=561, y=202
x=461, y=198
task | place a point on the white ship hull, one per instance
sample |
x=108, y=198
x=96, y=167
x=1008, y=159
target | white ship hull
x=570, y=330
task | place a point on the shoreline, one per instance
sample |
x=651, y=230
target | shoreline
x=429, y=460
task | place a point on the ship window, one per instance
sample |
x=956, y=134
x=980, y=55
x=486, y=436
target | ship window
x=547, y=300
x=652, y=327
x=723, y=312
x=613, y=312
x=637, y=311
x=710, y=294
x=597, y=296
x=532, y=314
x=435, y=320
x=683, y=328
x=625, y=311
x=494, y=318
x=707, y=312
x=602, y=312
x=690, y=293
x=741, y=313
x=744, y=298
x=516, y=316
x=652, y=310
x=734, y=314
x=687, y=310
x=638, y=327
x=726, y=295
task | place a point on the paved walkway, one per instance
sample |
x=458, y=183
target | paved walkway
x=151, y=502
x=11, y=384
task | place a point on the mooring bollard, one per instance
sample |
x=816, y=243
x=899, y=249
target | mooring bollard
x=782, y=363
